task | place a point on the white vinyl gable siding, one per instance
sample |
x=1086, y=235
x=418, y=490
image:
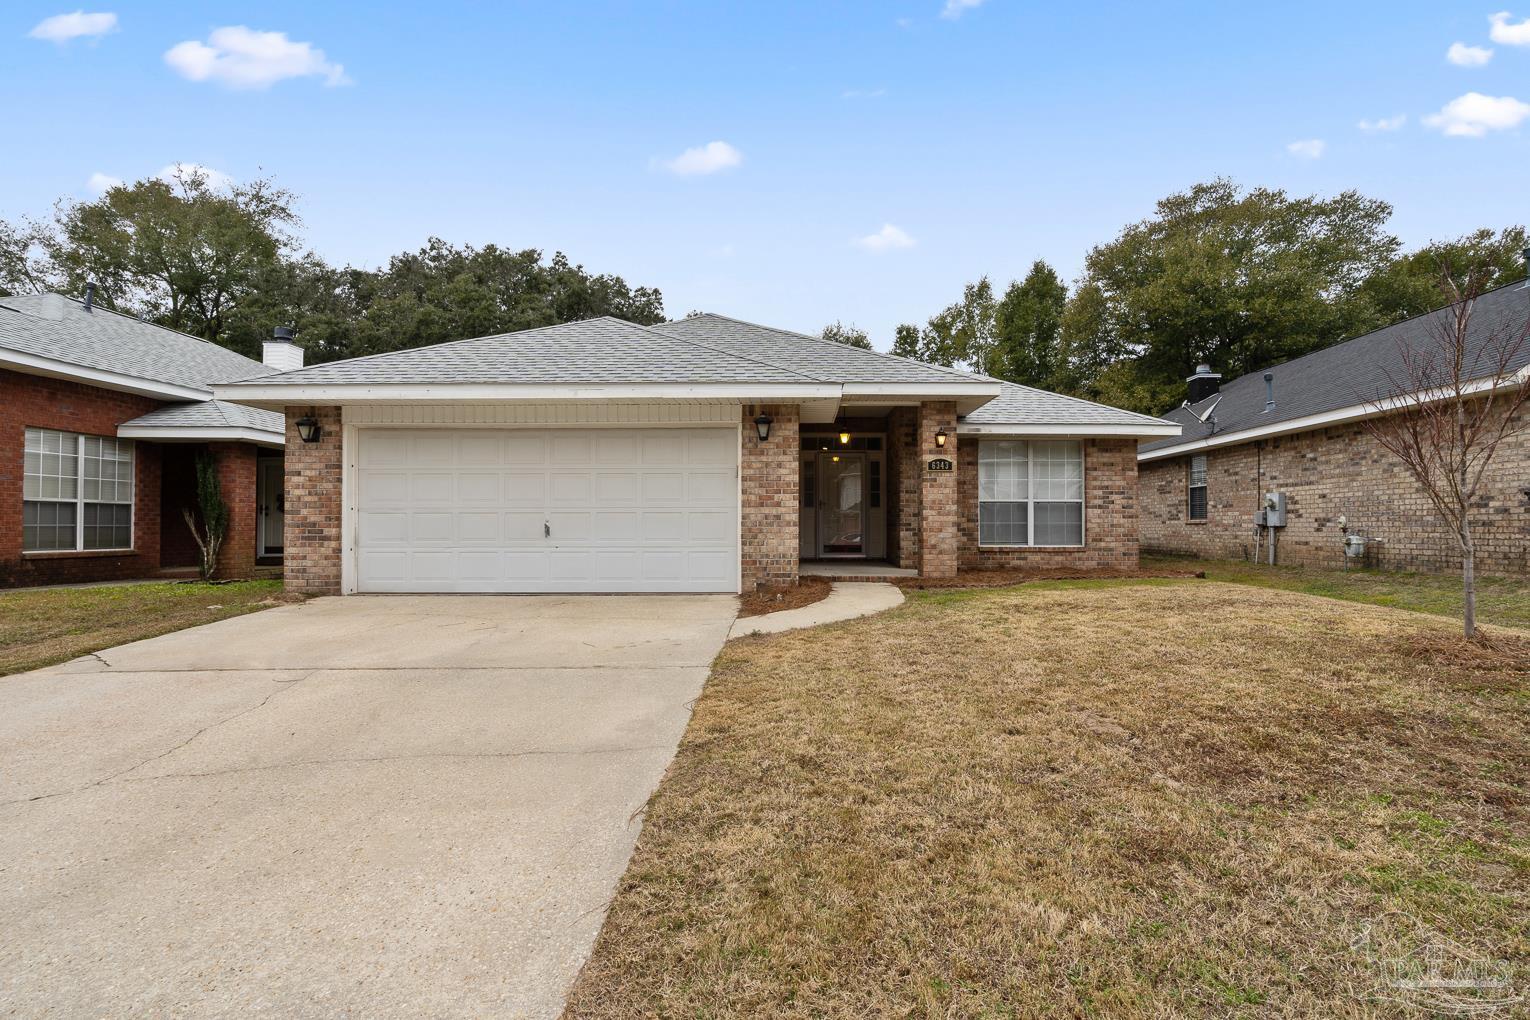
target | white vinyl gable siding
x=1030, y=492
x=77, y=492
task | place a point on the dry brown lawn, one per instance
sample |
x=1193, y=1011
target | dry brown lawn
x=1101, y=799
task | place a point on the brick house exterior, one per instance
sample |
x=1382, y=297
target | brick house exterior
x=71, y=373
x=1325, y=474
x=1298, y=430
x=451, y=474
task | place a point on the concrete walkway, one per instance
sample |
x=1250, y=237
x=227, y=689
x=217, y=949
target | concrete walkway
x=846, y=601
x=386, y=806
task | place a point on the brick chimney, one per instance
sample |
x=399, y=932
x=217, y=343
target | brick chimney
x=1203, y=383
x=280, y=352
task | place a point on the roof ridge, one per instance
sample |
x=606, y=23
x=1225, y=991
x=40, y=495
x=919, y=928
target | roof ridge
x=881, y=354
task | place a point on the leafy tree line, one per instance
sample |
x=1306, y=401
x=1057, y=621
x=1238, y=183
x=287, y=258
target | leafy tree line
x=223, y=263
x=1240, y=279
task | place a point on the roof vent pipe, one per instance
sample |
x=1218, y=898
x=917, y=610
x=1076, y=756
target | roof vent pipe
x=90, y=296
x=1269, y=392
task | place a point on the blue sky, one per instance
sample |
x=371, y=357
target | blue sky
x=985, y=135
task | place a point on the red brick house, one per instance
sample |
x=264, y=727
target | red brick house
x=1296, y=431
x=101, y=419
x=704, y=455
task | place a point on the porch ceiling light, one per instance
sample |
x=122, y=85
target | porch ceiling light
x=940, y=438
x=762, y=426
x=308, y=429
x=844, y=439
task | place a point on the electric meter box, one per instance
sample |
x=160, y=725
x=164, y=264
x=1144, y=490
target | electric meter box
x=1275, y=509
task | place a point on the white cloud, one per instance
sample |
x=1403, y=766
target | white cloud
x=1474, y=115
x=1307, y=148
x=242, y=58
x=956, y=8
x=1463, y=55
x=863, y=93
x=63, y=27
x=889, y=238
x=216, y=179
x=100, y=184
x=1506, y=34
x=1383, y=123
x=704, y=159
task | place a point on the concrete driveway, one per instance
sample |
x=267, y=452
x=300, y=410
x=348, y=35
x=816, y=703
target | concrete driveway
x=359, y=807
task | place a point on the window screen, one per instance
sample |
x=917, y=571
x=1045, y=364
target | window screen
x=77, y=492
x=1197, y=488
x=1030, y=492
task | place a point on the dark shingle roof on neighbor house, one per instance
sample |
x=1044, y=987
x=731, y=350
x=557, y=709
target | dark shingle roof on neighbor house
x=1352, y=374
x=699, y=350
x=59, y=328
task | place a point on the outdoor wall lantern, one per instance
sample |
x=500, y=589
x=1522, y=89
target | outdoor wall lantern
x=308, y=429
x=844, y=439
x=940, y=438
x=762, y=426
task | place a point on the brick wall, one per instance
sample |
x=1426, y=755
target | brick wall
x=236, y=481
x=938, y=516
x=1110, y=514
x=72, y=407
x=311, y=562
x=903, y=480
x=768, y=480
x=1326, y=473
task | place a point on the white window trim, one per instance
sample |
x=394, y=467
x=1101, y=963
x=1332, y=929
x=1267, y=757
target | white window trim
x=1030, y=516
x=1191, y=486
x=79, y=500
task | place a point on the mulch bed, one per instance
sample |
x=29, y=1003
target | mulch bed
x=773, y=600
x=1004, y=578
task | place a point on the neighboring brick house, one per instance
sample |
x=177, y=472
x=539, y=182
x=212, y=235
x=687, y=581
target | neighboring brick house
x=1297, y=429
x=703, y=455
x=101, y=419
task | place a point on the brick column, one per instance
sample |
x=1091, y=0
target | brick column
x=235, y=464
x=769, y=476
x=903, y=479
x=937, y=491
x=311, y=561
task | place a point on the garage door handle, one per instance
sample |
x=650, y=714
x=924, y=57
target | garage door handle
x=546, y=530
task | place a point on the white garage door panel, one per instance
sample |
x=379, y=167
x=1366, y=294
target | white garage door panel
x=468, y=510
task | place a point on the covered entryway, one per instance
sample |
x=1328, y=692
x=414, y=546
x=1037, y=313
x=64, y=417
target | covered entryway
x=547, y=510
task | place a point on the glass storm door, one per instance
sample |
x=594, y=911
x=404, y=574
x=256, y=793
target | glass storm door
x=841, y=504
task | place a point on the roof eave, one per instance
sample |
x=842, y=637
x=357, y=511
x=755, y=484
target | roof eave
x=260, y=393
x=1079, y=430
x=33, y=364
x=201, y=433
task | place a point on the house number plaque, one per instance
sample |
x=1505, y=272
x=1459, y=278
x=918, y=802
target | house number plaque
x=941, y=464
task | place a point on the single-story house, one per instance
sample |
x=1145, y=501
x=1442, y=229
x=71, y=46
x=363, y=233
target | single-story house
x=101, y=418
x=703, y=455
x=1297, y=431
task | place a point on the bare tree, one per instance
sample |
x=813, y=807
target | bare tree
x=1453, y=403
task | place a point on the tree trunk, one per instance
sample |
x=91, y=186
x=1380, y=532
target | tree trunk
x=1468, y=582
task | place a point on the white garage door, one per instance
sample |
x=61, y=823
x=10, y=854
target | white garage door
x=567, y=510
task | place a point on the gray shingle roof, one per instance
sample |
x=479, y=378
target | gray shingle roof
x=211, y=414
x=1026, y=405
x=594, y=351
x=1350, y=373
x=822, y=359
x=59, y=328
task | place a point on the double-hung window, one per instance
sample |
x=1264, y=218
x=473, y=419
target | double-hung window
x=77, y=492
x=1030, y=492
x=1196, y=488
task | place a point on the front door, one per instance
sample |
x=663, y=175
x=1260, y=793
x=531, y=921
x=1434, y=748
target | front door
x=841, y=504
x=269, y=497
